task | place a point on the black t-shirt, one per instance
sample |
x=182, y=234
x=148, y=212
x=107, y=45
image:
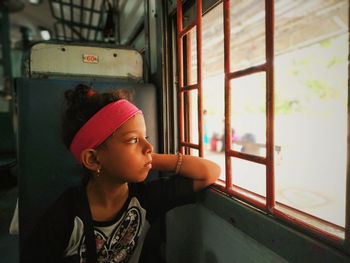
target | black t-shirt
x=59, y=235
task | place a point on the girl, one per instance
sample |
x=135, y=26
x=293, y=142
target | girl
x=107, y=217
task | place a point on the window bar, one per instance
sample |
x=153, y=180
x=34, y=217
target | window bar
x=270, y=179
x=199, y=76
x=180, y=34
x=270, y=182
x=191, y=145
x=228, y=164
x=54, y=15
x=90, y=19
x=347, y=203
x=103, y=10
x=245, y=72
x=180, y=75
x=269, y=160
x=187, y=29
x=327, y=229
x=189, y=87
x=62, y=17
x=71, y=18
x=188, y=105
x=248, y=157
x=81, y=19
x=244, y=194
x=305, y=224
x=268, y=68
x=76, y=6
x=72, y=28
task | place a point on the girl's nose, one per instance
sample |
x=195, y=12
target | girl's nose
x=148, y=147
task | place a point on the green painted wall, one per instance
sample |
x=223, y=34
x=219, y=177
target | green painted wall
x=196, y=234
x=205, y=232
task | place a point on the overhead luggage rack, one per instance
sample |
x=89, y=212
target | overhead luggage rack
x=88, y=20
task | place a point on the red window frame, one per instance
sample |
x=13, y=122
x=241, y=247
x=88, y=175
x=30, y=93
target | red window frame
x=181, y=32
x=268, y=204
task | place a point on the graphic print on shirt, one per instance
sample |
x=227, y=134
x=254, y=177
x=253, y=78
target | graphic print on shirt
x=120, y=245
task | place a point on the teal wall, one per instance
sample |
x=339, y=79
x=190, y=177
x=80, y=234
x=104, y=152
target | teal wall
x=183, y=236
x=197, y=234
x=218, y=229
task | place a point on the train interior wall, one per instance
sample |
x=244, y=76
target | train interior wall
x=220, y=229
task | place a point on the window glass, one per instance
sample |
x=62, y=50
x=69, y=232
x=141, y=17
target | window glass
x=311, y=94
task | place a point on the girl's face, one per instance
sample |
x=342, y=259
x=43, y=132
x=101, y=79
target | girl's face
x=125, y=154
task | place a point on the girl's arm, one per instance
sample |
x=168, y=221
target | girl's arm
x=202, y=171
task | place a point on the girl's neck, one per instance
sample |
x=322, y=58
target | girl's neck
x=105, y=193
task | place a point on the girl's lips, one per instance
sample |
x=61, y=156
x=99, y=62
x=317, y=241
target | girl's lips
x=148, y=165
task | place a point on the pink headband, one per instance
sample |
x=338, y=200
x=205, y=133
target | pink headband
x=101, y=125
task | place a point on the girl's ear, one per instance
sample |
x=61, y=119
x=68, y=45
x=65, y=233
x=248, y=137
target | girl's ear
x=89, y=159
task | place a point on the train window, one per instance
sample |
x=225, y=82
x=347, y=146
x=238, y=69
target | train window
x=191, y=57
x=247, y=37
x=311, y=95
x=190, y=98
x=270, y=101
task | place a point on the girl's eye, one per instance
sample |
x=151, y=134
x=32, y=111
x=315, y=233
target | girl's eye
x=134, y=140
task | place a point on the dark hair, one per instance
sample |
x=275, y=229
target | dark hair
x=82, y=104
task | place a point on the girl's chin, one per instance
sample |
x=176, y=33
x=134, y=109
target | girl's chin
x=139, y=179
x=143, y=179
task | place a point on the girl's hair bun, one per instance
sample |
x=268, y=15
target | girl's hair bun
x=78, y=95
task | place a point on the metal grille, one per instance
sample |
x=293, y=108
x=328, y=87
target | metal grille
x=88, y=20
x=268, y=204
x=185, y=108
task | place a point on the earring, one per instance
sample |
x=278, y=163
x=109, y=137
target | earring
x=98, y=172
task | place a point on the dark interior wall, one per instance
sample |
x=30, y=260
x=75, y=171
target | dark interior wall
x=197, y=234
x=206, y=232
